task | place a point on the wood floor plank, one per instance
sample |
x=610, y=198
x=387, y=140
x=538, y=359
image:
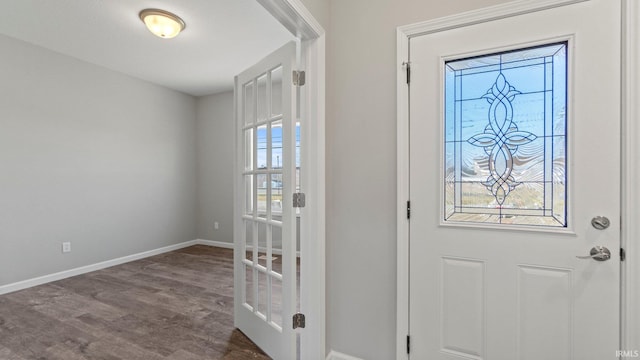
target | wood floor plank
x=175, y=306
x=7, y=354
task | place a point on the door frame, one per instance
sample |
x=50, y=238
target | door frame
x=296, y=18
x=630, y=274
x=630, y=195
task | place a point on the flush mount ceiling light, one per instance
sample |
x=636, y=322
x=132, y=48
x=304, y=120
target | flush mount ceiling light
x=162, y=23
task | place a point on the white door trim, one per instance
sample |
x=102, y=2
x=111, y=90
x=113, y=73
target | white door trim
x=294, y=16
x=630, y=317
x=491, y=13
x=630, y=275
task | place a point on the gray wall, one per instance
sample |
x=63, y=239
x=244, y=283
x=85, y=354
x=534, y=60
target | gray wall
x=215, y=141
x=361, y=168
x=215, y=148
x=320, y=9
x=88, y=156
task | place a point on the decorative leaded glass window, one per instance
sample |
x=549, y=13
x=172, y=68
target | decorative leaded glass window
x=505, y=137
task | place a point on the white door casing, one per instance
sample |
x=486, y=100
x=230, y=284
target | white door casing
x=630, y=313
x=265, y=287
x=294, y=16
x=484, y=292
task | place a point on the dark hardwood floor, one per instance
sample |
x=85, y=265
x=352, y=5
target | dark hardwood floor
x=177, y=306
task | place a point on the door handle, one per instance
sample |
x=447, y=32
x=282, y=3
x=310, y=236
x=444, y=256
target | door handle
x=598, y=253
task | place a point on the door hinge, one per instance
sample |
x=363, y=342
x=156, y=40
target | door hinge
x=408, y=344
x=298, y=321
x=623, y=254
x=299, y=200
x=408, y=209
x=298, y=78
x=407, y=67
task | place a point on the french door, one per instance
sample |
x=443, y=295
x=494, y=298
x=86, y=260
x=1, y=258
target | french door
x=514, y=177
x=264, y=233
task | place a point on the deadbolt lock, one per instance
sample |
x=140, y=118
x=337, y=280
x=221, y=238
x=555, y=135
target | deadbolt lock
x=600, y=222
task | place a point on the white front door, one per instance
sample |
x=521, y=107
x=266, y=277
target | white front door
x=514, y=149
x=264, y=233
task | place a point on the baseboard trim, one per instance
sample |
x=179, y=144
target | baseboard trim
x=334, y=355
x=220, y=244
x=231, y=246
x=20, y=285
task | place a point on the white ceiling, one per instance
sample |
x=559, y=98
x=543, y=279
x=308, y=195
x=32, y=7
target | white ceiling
x=221, y=39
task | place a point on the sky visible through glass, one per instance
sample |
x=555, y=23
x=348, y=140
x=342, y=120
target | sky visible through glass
x=276, y=147
x=505, y=137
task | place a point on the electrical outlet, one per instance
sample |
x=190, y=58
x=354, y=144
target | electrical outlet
x=66, y=247
x=216, y=226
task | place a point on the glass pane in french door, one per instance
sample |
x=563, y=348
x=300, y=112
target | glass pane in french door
x=263, y=194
